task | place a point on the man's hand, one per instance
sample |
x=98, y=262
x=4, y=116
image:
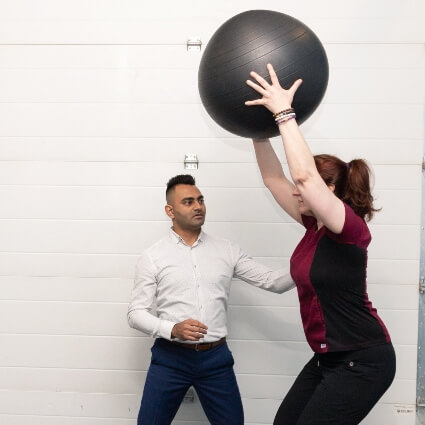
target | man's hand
x=189, y=330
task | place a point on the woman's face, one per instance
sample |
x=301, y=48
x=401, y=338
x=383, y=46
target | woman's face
x=303, y=206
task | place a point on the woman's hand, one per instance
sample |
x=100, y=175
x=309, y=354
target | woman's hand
x=275, y=98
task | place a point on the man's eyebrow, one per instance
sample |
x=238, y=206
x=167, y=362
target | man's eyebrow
x=191, y=198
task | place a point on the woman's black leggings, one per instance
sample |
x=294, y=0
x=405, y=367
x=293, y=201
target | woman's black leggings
x=338, y=388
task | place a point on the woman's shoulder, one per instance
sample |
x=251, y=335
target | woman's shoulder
x=355, y=230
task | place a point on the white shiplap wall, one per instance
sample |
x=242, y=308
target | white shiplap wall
x=85, y=154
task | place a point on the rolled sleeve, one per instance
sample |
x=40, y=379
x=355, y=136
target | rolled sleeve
x=258, y=274
x=142, y=298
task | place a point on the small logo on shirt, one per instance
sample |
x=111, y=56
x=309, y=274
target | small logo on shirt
x=322, y=345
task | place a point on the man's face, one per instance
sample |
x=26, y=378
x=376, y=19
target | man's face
x=186, y=207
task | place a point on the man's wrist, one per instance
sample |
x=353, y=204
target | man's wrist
x=166, y=328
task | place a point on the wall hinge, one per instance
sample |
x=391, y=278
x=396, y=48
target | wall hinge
x=193, y=44
x=423, y=163
x=422, y=284
x=191, y=161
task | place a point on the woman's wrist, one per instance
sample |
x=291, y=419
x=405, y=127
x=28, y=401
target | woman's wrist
x=285, y=122
x=280, y=108
x=284, y=115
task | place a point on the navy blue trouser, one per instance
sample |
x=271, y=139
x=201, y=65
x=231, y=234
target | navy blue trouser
x=338, y=388
x=174, y=369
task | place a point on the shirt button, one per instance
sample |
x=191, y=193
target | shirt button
x=351, y=364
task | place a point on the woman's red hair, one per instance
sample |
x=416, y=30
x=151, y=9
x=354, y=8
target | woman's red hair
x=351, y=181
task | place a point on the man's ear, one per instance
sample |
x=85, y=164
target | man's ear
x=169, y=211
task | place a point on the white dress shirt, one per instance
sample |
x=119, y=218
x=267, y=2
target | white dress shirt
x=193, y=282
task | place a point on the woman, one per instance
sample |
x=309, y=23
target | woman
x=354, y=360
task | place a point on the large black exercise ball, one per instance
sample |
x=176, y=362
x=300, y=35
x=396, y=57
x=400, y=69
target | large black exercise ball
x=247, y=42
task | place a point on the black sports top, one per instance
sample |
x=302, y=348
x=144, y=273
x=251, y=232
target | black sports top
x=330, y=273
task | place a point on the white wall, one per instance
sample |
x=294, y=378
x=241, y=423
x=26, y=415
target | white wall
x=85, y=155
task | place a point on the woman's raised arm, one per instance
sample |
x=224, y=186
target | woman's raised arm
x=316, y=195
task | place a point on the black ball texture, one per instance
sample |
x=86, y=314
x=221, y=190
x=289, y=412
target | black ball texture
x=248, y=42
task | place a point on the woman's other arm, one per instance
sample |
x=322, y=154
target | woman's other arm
x=274, y=178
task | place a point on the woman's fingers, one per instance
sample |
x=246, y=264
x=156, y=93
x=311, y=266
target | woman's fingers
x=256, y=87
x=255, y=102
x=295, y=86
x=260, y=79
x=274, y=96
x=273, y=76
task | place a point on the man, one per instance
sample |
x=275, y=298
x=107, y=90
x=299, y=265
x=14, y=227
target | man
x=189, y=273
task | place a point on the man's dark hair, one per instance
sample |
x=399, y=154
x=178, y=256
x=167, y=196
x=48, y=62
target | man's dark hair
x=180, y=179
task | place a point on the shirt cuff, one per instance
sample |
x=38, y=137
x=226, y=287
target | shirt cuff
x=165, y=328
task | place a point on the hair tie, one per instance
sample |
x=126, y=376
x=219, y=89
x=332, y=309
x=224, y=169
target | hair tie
x=347, y=164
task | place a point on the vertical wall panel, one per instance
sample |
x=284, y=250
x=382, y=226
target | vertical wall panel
x=84, y=157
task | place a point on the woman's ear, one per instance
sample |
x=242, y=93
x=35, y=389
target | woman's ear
x=331, y=187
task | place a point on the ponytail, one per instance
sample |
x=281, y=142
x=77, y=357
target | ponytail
x=357, y=193
x=351, y=181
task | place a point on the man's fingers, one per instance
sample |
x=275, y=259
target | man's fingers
x=199, y=324
x=193, y=336
x=199, y=329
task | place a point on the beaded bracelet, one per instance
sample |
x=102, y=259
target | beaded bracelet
x=285, y=118
x=285, y=111
x=280, y=116
x=284, y=121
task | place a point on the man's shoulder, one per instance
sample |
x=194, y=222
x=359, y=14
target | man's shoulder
x=157, y=246
x=208, y=237
x=165, y=240
x=217, y=240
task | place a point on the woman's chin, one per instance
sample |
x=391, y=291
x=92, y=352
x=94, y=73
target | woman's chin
x=304, y=211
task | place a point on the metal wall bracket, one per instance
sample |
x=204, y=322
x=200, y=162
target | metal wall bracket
x=193, y=44
x=191, y=161
x=420, y=377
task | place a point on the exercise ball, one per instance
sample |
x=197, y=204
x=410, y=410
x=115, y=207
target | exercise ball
x=248, y=42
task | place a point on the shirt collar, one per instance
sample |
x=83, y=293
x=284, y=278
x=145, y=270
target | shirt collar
x=178, y=239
